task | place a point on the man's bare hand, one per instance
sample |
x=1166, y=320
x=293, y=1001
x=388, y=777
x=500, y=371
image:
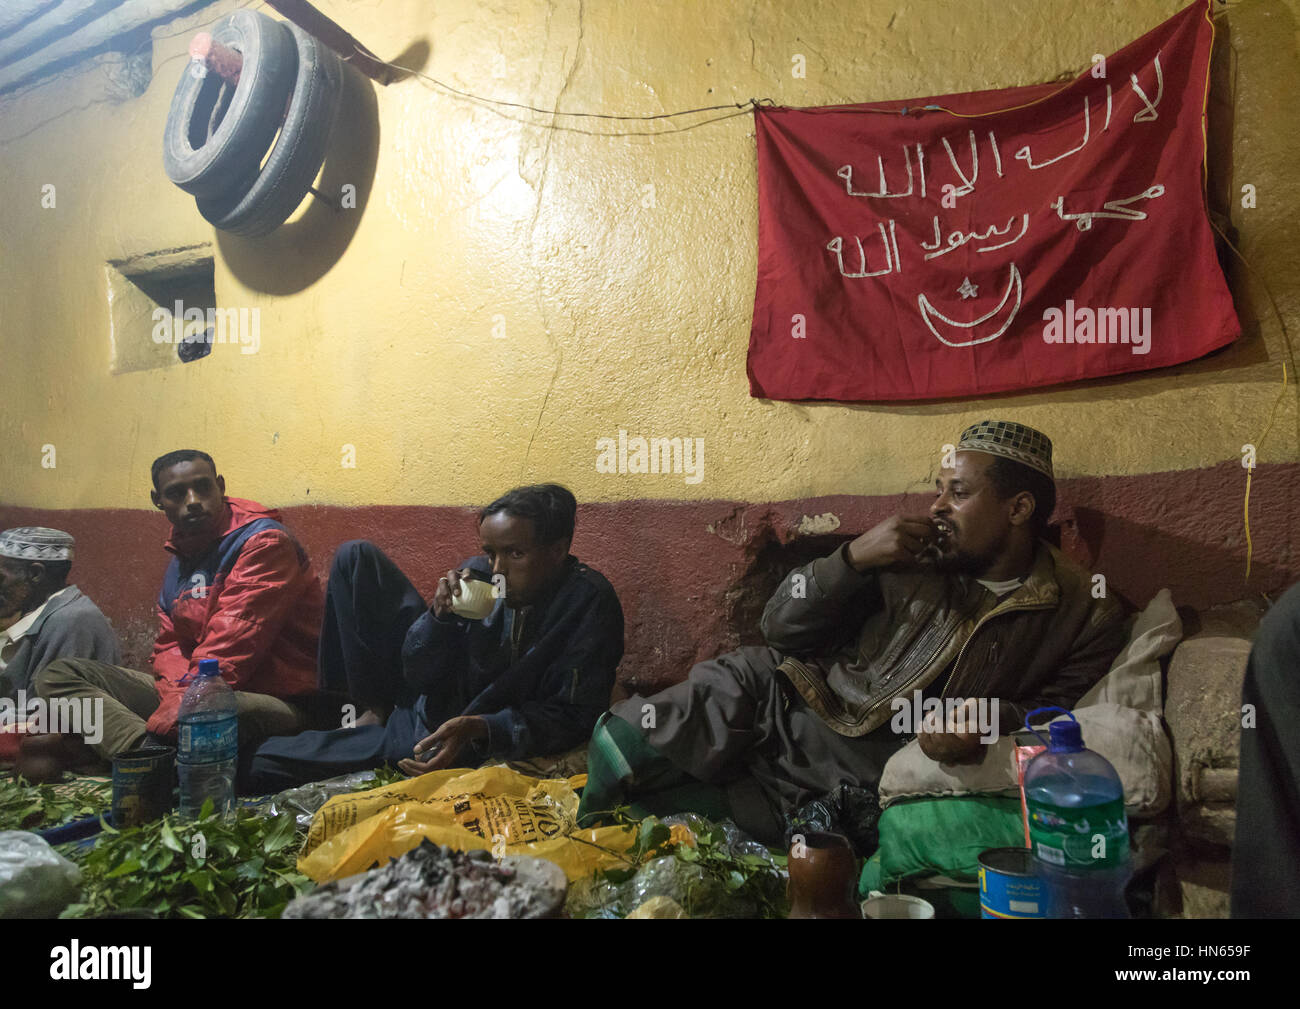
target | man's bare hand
x=444, y=745
x=959, y=741
x=447, y=592
x=900, y=539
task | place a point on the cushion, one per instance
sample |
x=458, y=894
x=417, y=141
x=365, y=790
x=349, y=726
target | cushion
x=1134, y=677
x=924, y=837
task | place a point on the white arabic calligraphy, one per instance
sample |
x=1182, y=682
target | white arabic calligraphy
x=1024, y=226
x=836, y=245
x=958, y=238
x=968, y=184
x=1116, y=209
x=846, y=173
x=999, y=319
x=997, y=155
x=1024, y=155
x=1149, y=113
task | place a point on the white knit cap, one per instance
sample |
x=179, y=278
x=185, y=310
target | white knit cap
x=36, y=543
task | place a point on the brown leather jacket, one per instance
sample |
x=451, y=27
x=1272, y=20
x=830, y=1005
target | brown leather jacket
x=853, y=642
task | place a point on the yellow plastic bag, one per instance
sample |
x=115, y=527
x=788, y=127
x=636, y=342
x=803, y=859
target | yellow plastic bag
x=492, y=808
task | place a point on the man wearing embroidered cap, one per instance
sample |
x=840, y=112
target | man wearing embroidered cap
x=44, y=618
x=965, y=601
x=1015, y=463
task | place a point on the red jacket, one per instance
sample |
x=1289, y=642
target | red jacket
x=246, y=596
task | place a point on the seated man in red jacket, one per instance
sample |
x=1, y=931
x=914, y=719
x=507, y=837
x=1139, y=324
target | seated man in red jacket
x=239, y=589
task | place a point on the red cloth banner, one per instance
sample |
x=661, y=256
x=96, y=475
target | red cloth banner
x=1007, y=240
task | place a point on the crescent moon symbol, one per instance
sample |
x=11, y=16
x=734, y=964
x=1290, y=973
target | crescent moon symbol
x=927, y=310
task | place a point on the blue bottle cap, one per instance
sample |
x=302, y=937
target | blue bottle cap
x=1066, y=737
x=209, y=667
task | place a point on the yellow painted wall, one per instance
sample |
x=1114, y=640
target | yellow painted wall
x=616, y=314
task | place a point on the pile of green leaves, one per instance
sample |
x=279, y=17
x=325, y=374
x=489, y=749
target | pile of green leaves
x=239, y=867
x=739, y=878
x=748, y=876
x=244, y=866
x=653, y=840
x=39, y=807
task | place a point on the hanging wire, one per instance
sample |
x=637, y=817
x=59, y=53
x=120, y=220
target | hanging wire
x=739, y=108
x=80, y=68
x=1290, y=359
x=1251, y=469
x=558, y=112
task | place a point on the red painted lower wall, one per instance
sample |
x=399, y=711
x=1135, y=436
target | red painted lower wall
x=693, y=576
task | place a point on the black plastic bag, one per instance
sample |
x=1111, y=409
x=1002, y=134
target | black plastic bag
x=848, y=810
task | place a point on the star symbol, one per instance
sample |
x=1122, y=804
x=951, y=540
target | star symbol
x=967, y=289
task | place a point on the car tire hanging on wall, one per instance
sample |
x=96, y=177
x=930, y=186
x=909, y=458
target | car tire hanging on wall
x=216, y=141
x=214, y=136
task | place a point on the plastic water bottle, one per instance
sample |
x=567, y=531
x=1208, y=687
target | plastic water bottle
x=208, y=743
x=1077, y=825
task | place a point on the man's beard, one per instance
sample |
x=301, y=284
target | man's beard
x=962, y=562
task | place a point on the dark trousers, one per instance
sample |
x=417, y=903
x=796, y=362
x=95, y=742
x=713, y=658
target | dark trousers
x=738, y=725
x=369, y=607
x=1266, y=851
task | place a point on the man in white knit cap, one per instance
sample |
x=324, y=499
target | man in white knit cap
x=44, y=618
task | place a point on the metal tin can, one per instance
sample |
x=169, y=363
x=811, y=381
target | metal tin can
x=1009, y=885
x=142, y=785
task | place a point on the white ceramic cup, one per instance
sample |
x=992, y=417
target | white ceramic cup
x=896, y=905
x=475, y=600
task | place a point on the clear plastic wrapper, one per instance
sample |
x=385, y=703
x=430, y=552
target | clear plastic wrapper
x=737, y=841
x=35, y=880
x=303, y=801
x=694, y=890
x=699, y=893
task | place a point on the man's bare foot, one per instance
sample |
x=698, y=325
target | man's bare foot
x=43, y=759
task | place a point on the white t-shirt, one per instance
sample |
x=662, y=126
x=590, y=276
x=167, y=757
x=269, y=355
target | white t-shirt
x=1000, y=589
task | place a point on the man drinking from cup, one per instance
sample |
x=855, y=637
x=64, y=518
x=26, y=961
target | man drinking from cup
x=514, y=658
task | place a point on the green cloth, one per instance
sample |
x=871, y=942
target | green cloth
x=620, y=761
x=942, y=836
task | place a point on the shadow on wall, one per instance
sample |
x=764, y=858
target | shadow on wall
x=772, y=561
x=297, y=254
x=1184, y=565
x=1254, y=76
